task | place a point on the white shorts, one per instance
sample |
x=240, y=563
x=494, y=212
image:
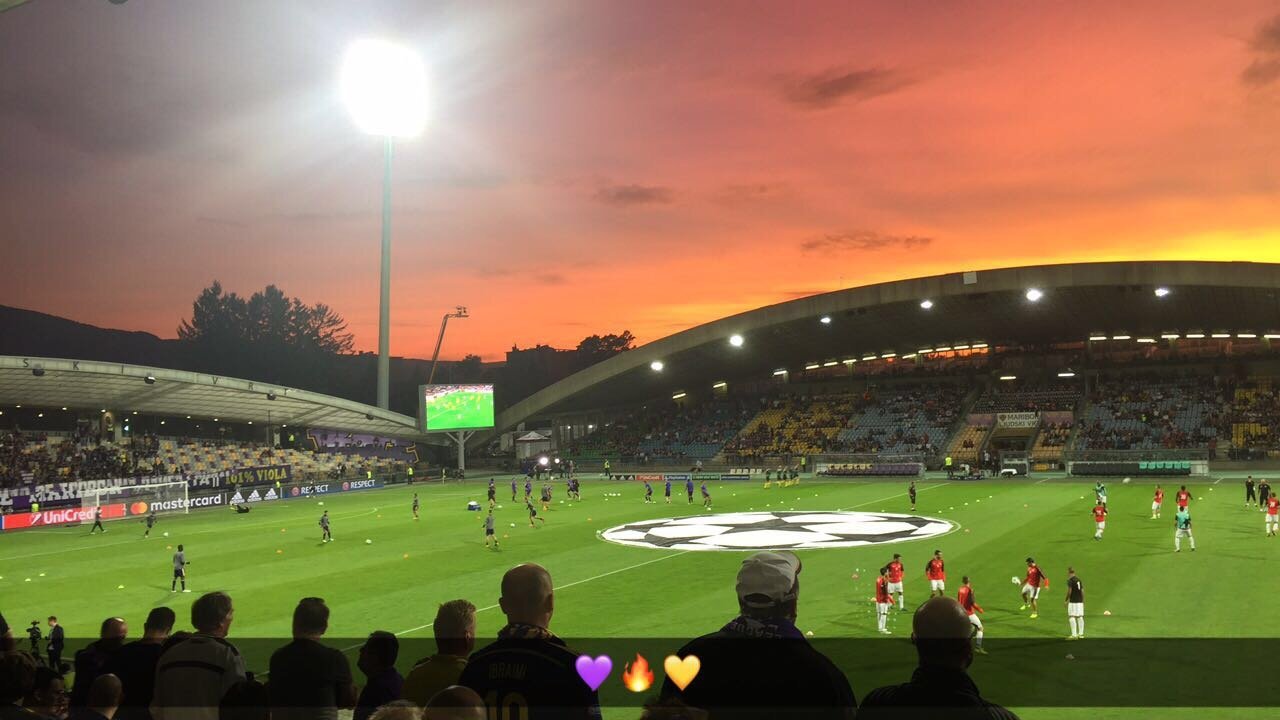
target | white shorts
x=895, y=587
x=1033, y=592
x=974, y=621
x=937, y=585
x=1273, y=519
x=883, y=608
x=1155, y=505
x=1102, y=499
x=1181, y=533
x=1102, y=525
x=1075, y=609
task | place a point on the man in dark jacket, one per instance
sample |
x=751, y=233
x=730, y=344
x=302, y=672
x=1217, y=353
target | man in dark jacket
x=762, y=642
x=92, y=661
x=939, y=687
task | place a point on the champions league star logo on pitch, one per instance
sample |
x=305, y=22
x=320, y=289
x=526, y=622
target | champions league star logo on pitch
x=773, y=530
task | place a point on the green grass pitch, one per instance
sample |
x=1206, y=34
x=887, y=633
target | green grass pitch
x=271, y=557
x=460, y=410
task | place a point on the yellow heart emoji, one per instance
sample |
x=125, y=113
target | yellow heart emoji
x=682, y=672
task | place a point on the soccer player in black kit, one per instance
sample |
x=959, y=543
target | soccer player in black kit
x=416, y=503
x=1264, y=492
x=911, y=492
x=151, y=522
x=1249, y=495
x=179, y=570
x=97, y=521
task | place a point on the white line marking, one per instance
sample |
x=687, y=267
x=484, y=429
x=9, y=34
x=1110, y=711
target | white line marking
x=869, y=502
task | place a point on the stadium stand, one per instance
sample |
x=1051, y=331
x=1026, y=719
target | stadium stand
x=905, y=419
x=968, y=442
x=793, y=425
x=1028, y=398
x=1150, y=413
x=670, y=432
x=1051, y=442
x=1254, y=417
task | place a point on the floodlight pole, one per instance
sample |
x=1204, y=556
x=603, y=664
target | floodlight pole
x=459, y=312
x=384, y=303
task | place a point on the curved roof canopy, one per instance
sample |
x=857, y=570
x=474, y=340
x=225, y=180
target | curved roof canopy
x=54, y=382
x=991, y=306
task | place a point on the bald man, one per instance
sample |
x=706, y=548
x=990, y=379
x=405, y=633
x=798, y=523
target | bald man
x=941, y=633
x=103, y=699
x=92, y=660
x=455, y=703
x=528, y=665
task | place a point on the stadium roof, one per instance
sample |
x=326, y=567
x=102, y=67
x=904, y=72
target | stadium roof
x=990, y=306
x=87, y=384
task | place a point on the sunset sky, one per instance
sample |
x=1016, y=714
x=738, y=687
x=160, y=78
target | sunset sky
x=599, y=166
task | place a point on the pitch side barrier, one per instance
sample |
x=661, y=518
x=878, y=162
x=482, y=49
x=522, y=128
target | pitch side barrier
x=678, y=477
x=870, y=469
x=1138, y=468
x=202, y=499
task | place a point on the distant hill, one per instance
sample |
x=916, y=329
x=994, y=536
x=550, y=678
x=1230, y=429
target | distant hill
x=27, y=332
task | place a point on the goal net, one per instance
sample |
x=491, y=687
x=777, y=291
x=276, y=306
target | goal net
x=118, y=503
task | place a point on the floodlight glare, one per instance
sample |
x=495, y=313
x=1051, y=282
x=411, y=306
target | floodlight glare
x=825, y=319
x=656, y=366
x=736, y=340
x=1162, y=291
x=926, y=304
x=1034, y=294
x=1008, y=377
x=384, y=87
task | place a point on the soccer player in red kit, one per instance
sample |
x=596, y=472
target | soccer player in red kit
x=1099, y=519
x=936, y=572
x=1182, y=498
x=972, y=609
x=1156, y=502
x=895, y=579
x=1273, y=515
x=1031, y=588
x=884, y=601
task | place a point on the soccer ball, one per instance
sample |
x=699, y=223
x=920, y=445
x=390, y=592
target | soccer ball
x=513, y=524
x=1014, y=579
x=1126, y=481
x=166, y=534
x=367, y=541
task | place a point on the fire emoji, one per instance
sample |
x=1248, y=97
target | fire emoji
x=637, y=676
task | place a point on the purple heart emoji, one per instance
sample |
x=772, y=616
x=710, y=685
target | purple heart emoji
x=594, y=672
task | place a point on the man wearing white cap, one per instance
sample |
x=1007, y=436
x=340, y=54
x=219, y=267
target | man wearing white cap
x=760, y=665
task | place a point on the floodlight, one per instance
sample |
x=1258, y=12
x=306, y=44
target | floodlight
x=384, y=87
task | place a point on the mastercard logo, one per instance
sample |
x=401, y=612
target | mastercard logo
x=138, y=508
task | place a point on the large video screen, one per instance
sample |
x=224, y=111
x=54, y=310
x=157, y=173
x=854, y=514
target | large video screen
x=456, y=407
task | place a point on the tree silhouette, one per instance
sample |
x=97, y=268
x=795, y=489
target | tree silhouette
x=268, y=318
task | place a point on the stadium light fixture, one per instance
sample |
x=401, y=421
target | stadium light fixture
x=161, y=422
x=777, y=373
x=1034, y=294
x=1097, y=337
x=1243, y=335
x=64, y=409
x=135, y=412
x=384, y=87
x=104, y=410
x=736, y=340
x=591, y=427
x=250, y=422
x=18, y=406
x=1121, y=337
x=888, y=355
x=868, y=357
x=1272, y=336
x=1169, y=336
x=1146, y=340
x=1066, y=374
x=720, y=385
x=677, y=396
x=908, y=356
x=1161, y=292
x=543, y=461
x=1196, y=335
x=850, y=361
x=1221, y=335
x=812, y=366
x=188, y=417
x=944, y=348
x=924, y=351
x=978, y=346
x=830, y=363
x=39, y=415
x=1008, y=377
x=926, y=304
x=960, y=347
x=825, y=319
x=656, y=366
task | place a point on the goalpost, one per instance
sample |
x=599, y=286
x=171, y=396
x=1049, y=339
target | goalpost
x=138, y=500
